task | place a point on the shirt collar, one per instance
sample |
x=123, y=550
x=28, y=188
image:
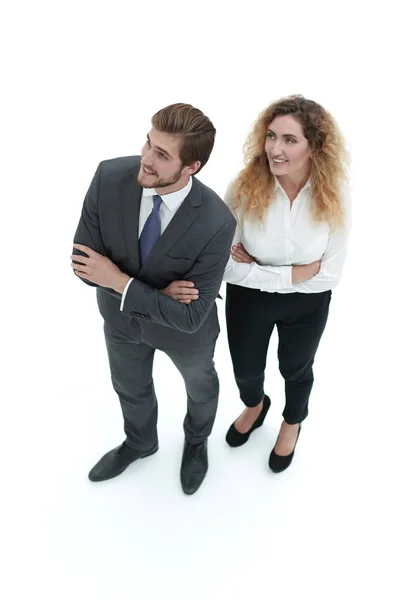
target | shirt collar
x=174, y=199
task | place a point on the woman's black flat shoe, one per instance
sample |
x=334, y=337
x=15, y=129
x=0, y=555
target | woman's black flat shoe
x=277, y=463
x=235, y=439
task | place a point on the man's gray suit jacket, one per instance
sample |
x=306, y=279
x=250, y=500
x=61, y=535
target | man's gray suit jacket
x=195, y=246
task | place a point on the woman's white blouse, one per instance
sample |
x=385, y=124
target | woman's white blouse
x=288, y=236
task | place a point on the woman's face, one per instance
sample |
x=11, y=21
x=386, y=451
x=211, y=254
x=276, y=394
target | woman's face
x=287, y=149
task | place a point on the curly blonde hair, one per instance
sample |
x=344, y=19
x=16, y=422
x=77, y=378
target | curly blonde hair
x=255, y=184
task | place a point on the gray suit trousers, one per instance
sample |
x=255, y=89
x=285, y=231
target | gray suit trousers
x=131, y=365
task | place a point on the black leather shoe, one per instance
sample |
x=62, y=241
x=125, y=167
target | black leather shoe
x=277, y=463
x=115, y=462
x=235, y=439
x=194, y=466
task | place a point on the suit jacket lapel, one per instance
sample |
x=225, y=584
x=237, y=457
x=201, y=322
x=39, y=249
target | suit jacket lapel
x=132, y=200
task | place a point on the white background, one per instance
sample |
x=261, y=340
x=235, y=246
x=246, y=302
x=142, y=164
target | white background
x=80, y=84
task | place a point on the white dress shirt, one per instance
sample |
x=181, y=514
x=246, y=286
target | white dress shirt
x=287, y=236
x=168, y=207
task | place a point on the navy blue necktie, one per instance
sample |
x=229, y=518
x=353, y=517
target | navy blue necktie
x=151, y=230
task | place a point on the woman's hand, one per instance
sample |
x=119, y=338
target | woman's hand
x=302, y=273
x=239, y=254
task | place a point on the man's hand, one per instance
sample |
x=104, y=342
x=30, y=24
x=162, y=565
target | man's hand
x=98, y=269
x=302, y=273
x=183, y=291
x=239, y=254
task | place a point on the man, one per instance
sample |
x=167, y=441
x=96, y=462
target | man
x=147, y=224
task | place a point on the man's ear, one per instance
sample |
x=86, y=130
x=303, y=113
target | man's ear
x=194, y=167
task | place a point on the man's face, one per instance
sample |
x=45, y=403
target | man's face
x=161, y=167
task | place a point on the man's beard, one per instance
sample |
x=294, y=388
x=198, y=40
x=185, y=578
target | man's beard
x=160, y=183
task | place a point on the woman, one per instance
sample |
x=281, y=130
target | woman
x=292, y=218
